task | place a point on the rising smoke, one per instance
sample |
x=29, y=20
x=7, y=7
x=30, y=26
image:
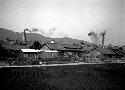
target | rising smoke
x=49, y=33
x=61, y=34
x=52, y=32
x=27, y=30
x=24, y=34
x=95, y=37
x=33, y=30
x=103, y=33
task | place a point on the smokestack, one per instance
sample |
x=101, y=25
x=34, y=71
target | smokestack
x=103, y=37
x=24, y=35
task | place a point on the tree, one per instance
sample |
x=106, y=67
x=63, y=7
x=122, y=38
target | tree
x=36, y=45
x=7, y=39
x=82, y=43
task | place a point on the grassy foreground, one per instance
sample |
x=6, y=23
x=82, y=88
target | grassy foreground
x=73, y=77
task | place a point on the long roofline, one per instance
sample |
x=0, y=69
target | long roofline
x=65, y=49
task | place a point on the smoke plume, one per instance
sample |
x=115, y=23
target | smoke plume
x=103, y=33
x=93, y=36
x=27, y=30
x=35, y=29
x=49, y=33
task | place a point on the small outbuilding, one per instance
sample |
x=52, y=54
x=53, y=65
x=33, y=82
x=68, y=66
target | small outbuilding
x=100, y=53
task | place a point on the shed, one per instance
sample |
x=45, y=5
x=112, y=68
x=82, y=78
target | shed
x=100, y=53
x=30, y=53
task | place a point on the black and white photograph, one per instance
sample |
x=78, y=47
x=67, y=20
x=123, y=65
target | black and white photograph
x=62, y=44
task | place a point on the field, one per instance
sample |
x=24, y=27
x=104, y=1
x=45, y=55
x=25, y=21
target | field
x=67, y=77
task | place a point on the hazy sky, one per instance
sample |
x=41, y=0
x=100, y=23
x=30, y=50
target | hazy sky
x=69, y=18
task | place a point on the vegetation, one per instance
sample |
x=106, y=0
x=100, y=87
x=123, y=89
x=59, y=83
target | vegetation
x=36, y=45
x=82, y=77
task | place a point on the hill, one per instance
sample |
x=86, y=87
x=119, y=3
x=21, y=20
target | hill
x=5, y=33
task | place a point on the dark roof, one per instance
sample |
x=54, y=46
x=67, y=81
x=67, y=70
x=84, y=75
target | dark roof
x=14, y=47
x=123, y=51
x=71, y=46
x=56, y=46
x=105, y=50
x=113, y=47
x=88, y=49
x=123, y=47
x=116, y=47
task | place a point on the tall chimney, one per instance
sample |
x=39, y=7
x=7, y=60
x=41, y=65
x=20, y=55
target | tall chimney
x=103, y=36
x=24, y=35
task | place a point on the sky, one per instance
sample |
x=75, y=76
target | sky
x=66, y=18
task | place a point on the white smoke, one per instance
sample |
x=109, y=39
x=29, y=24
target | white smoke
x=48, y=33
x=35, y=29
x=94, y=37
x=62, y=34
x=24, y=34
x=103, y=33
x=51, y=32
